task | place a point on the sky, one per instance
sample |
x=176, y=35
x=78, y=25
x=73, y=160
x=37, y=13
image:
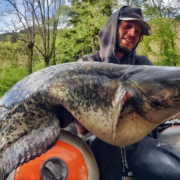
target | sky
x=6, y=20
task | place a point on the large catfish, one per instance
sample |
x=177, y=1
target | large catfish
x=118, y=104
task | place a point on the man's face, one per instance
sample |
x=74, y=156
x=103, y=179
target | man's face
x=128, y=36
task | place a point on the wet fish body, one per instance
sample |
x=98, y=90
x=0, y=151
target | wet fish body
x=119, y=104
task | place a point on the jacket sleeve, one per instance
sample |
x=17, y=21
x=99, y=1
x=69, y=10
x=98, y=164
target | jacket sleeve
x=91, y=57
x=87, y=57
x=142, y=60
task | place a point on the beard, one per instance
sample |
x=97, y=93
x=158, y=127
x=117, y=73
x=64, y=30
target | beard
x=122, y=50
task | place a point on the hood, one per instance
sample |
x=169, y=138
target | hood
x=107, y=41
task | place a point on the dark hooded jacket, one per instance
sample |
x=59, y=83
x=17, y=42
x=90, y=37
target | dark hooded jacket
x=107, y=41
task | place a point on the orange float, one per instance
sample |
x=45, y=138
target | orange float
x=69, y=159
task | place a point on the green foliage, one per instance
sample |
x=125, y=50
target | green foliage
x=80, y=25
x=13, y=54
x=158, y=8
x=8, y=53
x=81, y=37
x=10, y=76
x=163, y=35
x=171, y=58
x=38, y=66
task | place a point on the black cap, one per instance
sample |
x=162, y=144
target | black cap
x=128, y=13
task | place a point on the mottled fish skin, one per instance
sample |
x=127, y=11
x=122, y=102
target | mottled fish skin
x=28, y=121
x=30, y=112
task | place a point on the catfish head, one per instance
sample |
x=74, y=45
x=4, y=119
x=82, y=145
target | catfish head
x=152, y=95
x=122, y=104
x=159, y=89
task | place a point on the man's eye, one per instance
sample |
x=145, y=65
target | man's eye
x=127, y=26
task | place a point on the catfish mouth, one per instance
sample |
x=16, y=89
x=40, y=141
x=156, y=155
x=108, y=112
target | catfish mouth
x=80, y=128
x=125, y=98
x=66, y=118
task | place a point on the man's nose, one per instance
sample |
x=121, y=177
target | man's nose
x=131, y=31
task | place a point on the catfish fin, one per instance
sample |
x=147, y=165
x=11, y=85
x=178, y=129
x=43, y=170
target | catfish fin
x=120, y=97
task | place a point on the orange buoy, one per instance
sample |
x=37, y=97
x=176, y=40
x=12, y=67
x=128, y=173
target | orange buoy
x=76, y=166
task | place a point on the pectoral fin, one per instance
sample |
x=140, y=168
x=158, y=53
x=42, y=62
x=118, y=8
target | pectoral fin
x=120, y=97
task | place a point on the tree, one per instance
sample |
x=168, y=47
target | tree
x=161, y=15
x=24, y=19
x=160, y=8
x=47, y=19
x=163, y=38
x=36, y=18
x=85, y=22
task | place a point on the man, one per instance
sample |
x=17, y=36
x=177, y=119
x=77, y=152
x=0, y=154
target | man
x=148, y=159
x=119, y=38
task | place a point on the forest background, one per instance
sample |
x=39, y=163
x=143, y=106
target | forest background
x=42, y=33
